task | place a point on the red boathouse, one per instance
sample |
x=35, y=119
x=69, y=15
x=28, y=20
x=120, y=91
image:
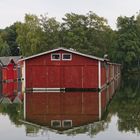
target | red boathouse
x=8, y=75
x=65, y=68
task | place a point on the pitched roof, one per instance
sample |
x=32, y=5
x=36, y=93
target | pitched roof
x=64, y=49
x=5, y=60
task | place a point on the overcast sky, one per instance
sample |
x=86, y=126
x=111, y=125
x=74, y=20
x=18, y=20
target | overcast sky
x=14, y=10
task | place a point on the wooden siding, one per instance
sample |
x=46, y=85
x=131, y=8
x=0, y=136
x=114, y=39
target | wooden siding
x=9, y=80
x=80, y=72
x=79, y=107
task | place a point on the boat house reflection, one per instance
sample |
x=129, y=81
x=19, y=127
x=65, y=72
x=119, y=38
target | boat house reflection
x=63, y=110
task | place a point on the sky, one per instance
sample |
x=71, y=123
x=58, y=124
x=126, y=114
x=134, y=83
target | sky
x=15, y=10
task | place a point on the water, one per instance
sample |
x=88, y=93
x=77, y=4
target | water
x=121, y=120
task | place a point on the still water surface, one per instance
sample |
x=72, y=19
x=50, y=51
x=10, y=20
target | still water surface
x=121, y=120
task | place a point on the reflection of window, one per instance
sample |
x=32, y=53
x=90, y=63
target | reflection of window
x=67, y=123
x=55, y=123
x=55, y=56
x=66, y=56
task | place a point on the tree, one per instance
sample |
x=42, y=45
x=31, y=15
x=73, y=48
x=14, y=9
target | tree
x=127, y=47
x=29, y=35
x=9, y=35
x=51, y=30
x=87, y=33
x=4, y=48
x=73, y=34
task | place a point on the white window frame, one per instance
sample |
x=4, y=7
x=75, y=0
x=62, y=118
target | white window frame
x=52, y=121
x=67, y=54
x=66, y=121
x=56, y=59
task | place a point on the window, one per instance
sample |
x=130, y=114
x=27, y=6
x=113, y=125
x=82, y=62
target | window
x=55, y=56
x=67, y=123
x=67, y=56
x=55, y=123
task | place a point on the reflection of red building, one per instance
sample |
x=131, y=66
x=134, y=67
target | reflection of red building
x=50, y=108
x=8, y=70
x=66, y=109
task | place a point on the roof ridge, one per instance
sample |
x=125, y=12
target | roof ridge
x=65, y=49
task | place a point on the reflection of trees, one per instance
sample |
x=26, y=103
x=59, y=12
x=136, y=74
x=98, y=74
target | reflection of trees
x=14, y=111
x=32, y=130
x=126, y=104
x=90, y=129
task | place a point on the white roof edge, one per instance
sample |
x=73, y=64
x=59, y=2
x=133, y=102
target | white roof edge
x=114, y=63
x=64, y=49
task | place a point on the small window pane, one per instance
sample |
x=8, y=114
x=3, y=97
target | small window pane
x=67, y=123
x=56, y=123
x=55, y=56
x=67, y=56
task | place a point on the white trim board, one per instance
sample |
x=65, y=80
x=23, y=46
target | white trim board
x=63, y=49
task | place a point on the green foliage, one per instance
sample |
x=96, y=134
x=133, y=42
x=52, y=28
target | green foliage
x=29, y=35
x=9, y=36
x=14, y=111
x=4, y=48
x=51, y=31
x=125, y=105
x=88, y=34
x=127, y=47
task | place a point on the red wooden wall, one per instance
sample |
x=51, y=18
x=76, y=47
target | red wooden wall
x=81, y=72
x=81, y=108
x=9, y=80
